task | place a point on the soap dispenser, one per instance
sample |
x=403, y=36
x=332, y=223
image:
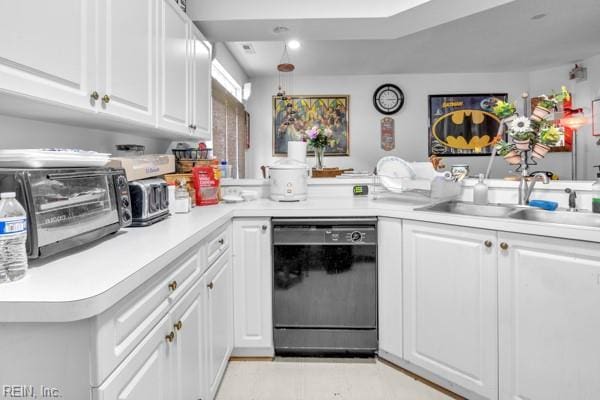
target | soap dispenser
x=480, y=192
x=596, y=192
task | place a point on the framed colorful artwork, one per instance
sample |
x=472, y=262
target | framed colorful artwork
x=294, y=115
x=463, y=124
x=596, y=117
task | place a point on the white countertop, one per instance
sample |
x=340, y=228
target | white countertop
x=87, y=281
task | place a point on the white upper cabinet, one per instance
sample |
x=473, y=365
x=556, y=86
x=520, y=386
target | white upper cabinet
x=252, y=287
x=450, y=304
x=47, y=50
x=549, y=293
x=127, y=37
x=174, y=74
x=139, y=65
x=201, y=84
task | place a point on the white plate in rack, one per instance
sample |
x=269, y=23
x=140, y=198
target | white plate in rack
x=51, y=158
x=394, y=172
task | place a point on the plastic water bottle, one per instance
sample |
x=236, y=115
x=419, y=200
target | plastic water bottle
x=13, y=235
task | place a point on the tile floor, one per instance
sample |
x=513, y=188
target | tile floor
x=321, y=379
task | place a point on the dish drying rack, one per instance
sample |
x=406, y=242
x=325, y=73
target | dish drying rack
x=444, y=186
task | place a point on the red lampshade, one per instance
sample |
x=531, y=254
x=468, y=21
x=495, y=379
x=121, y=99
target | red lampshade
x=574, y=119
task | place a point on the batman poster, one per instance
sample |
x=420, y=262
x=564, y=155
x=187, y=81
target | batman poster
x=463, y=124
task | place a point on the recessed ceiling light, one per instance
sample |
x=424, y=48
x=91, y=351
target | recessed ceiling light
x=293, y=44
x=538, y=16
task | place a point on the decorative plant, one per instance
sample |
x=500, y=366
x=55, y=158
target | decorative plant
x=550, y=102
x=549, y=135
x=504, y=148
x=319, y=137
x=504, y=109
x=521, y=129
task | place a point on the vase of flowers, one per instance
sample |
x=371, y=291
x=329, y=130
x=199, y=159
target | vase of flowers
x=319, y=138
x=521, y=132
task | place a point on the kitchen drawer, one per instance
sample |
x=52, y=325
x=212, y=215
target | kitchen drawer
x=217, y=243
x=121, y=328
x=145, y=373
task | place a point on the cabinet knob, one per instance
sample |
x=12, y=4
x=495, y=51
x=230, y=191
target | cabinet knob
x=178, y=325
x=210, y=285
x=191, y=126
x=264, y=227
x=504, y=245
x=221, y=241
x=170, y=337
x=94, y=95
x=173, y=285
x=106, y=99
x=488, y=243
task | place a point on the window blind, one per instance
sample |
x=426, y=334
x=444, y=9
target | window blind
x=229, y=129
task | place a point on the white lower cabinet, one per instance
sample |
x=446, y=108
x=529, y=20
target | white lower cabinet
x=219, y=320
x=168, y=363
x=389, y=232
x=145, y=374
x=549, y=293
x=189, y=343
x=450, y=304
x=252, y=283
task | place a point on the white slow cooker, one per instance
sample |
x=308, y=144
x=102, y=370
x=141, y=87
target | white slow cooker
x=289, y=180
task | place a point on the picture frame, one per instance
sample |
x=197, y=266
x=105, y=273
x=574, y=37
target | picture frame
x=462, y=125
x=596, y=117
x=328, y=111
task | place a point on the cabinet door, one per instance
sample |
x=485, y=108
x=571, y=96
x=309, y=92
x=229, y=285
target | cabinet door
x=252, y=287
x=219, y=320
x=47, y=50
x=145, y=374
x=549, y=292
x=450, y=297
x=390, y=285
x=201, y=69
x=127, y=61
x=187, y=317
x=174, y=76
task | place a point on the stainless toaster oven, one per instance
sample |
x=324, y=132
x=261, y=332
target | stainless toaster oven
x=68, y=207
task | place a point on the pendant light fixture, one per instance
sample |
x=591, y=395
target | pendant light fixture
x=285, y=74
x=285, y=78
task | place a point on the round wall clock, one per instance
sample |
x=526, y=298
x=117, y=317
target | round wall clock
x=388, y=99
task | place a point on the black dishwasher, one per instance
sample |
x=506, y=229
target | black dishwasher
x=325, y=286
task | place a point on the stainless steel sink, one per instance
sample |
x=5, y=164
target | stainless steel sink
x=558, y=217
x=466, y=208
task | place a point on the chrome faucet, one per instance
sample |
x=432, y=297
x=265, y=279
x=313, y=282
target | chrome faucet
x=526, y=189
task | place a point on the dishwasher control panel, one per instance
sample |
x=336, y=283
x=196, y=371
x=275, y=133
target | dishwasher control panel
x=355, y=235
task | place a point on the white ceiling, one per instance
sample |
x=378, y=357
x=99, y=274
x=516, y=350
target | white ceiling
x=425, y=39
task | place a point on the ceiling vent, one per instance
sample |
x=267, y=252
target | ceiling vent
x=248, y=48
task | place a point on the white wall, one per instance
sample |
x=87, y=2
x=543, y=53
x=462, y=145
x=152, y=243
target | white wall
x=543, y=81
x=410, y=122
x=22, y=133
